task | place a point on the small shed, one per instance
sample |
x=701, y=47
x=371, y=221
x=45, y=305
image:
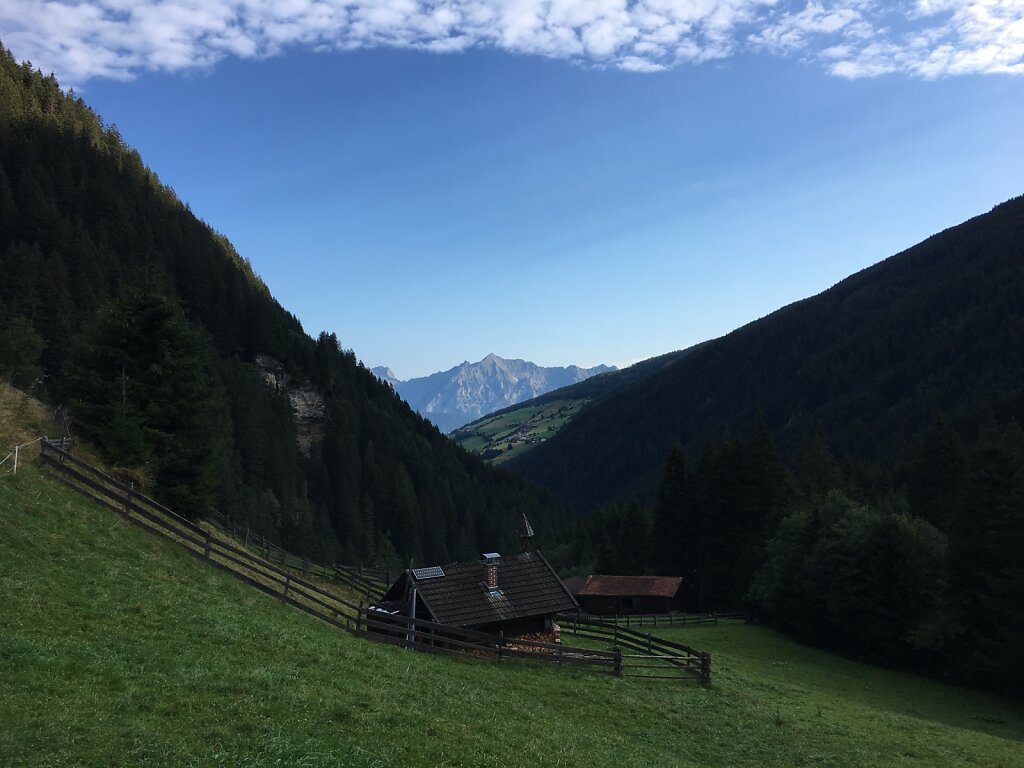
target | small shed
x=517, y=595
x=612, y=595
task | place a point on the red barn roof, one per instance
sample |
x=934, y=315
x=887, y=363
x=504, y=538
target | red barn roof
x=630, y=586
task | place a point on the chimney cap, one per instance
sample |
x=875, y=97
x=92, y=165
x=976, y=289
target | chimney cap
x=491, y=557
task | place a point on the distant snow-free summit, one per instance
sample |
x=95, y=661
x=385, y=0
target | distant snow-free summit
x=468, y=391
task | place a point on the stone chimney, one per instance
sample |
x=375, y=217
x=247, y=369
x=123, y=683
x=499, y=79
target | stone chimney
x=491, y=561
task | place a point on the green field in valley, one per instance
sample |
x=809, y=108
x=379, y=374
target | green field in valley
x=119, y=649
x=509, y=433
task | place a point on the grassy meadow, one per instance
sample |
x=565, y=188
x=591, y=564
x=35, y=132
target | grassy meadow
x=515, y=431
x=119, y=649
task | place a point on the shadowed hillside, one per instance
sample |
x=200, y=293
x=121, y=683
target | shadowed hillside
x=937, y=328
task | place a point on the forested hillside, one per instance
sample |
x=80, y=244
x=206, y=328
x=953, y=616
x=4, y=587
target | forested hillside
x=937, y=328
x=119, y=303
x=889, y=522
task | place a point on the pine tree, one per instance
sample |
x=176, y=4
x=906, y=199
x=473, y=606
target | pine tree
x=936, y=477
x=143, y=387
x=671, y=547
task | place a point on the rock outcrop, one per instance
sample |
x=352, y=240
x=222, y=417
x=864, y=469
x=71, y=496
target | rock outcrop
x=307, y=403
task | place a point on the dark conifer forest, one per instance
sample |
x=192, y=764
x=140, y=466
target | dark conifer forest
x=118, y=303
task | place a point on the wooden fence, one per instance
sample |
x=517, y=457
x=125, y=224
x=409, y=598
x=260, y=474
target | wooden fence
x=372, y=583
x=659, y=619
x=440, y=638
x=204, y=544
x=652, y=657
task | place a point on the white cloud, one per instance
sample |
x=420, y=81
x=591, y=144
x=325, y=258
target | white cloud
x=83, y=39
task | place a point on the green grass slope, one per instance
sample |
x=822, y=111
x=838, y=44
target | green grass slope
x=500, y=437
x=119, y=649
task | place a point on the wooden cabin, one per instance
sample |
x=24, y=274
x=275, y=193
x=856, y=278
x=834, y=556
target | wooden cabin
x=517, y=595
x=613, y=595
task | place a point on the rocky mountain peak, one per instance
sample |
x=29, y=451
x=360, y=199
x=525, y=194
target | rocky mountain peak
x=470, y=390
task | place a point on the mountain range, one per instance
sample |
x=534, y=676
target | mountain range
x=469, y=391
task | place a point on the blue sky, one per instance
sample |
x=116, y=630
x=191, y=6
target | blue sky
x=534, y=194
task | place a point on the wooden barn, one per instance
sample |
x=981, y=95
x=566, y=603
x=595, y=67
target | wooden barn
x=517, y=595
x=612, y=595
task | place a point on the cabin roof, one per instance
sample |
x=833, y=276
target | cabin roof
x=630, y=586
x=527, y=585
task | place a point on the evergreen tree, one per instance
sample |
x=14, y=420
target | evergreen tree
x=673, y=526
x=21, y=350
x=936, y=476
x=986, y=560
x=142, y=386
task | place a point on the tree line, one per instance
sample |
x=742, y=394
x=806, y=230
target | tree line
x=917, y=563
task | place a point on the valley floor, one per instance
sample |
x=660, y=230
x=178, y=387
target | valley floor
x=118, y=649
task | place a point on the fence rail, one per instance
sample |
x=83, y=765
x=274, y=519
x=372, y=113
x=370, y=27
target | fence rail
x=220, y=552
x=658, y=620
x=652, y=658
x=372, y=583
x=439, y=638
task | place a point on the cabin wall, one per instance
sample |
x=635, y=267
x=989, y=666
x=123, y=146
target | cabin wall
x=518, y=627
x=626, y=604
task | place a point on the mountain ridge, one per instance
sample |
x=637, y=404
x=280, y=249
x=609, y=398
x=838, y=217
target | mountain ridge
x=933, y=329
x=469, y=391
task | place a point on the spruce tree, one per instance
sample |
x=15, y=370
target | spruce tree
x=142, y=386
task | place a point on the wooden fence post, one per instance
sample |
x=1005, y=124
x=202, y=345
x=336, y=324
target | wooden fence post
x=206, y=551
x=501, y=644
x=617, y=664
x=359, y=616
x=705, y=668
x=128, y=502
x=287, y=583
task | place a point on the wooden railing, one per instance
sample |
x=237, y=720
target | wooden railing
x=440, y=638
x=218, y=551
x=653, y=657
x=657, y=620
x=370, y=582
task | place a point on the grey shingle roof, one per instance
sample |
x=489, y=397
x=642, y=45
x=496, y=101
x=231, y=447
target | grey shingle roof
x=529, y=587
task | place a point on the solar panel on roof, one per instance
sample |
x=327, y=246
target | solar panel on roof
x=433, y=572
